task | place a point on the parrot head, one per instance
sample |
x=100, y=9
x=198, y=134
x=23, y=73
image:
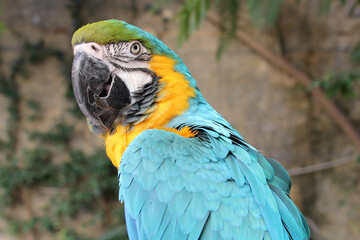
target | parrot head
x=122, y=76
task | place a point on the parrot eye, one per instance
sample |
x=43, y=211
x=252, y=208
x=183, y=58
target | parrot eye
x=135, y=48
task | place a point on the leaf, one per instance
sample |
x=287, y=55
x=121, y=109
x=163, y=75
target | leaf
x=228, y=11
x=2, y=27
x=191, y=16
x=324, y=6
x=264, y=13
x=355, y=54
x=342, y=84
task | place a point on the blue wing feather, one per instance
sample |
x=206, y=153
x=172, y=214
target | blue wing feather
x=281, y=178
x=132, y=230
x=294, y=221
x=191, y=188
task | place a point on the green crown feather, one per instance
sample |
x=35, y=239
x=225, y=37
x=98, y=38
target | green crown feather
x=114, y=31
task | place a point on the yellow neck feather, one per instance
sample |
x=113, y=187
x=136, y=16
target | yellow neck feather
x=175, y=94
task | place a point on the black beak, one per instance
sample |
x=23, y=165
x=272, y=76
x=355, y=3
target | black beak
x=99, y=94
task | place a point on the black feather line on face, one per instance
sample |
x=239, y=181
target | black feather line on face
x=144, y=57
x=121, y=60
x=144, y=98
x=127, y=69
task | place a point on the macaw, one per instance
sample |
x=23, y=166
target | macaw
x=184, y=172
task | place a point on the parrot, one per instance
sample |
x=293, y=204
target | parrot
x=184, y=172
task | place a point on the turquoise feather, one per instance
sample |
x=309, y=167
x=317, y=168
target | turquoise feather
x=246, y=208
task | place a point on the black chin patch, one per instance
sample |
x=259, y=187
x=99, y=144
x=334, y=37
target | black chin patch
x=119, y=95
x=108, y=118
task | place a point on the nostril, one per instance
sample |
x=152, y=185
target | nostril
x=94, y=48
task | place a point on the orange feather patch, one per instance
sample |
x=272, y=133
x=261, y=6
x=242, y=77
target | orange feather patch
x=173, y=100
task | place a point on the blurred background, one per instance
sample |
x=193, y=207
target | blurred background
x=284, y=73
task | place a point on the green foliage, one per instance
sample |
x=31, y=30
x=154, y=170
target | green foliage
x=34, y=106
x=75, y=8
x=33, y=167
x=228, y=11
x=38, y=52
x=194, y=12
x=344, y=84
x=263, y=14
x=2, y=27
x=82, y=182
x=61, y=134
x=355, y=54
x=191, y=16
x=89, y=180
x=31, y=53
x=324, y=6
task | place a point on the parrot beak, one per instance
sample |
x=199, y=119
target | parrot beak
x=99, y=94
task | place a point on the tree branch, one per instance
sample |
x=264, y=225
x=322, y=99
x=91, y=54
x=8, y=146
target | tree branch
x=335, y=113
x=324, y=165
x=316, y=232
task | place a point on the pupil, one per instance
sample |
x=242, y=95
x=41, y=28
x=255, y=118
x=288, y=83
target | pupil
x=135, y=48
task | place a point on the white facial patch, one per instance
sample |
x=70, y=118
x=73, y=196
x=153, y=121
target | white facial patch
x=134, y=80
x=132, y=68
x=92, y=48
